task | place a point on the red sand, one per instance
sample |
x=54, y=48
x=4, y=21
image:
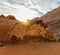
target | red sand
x=32, y=49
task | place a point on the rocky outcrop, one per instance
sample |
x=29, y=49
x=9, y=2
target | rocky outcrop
x=52, y=20
x=6, y=26
x=12, y=30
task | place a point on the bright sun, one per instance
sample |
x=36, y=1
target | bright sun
x=27, y=23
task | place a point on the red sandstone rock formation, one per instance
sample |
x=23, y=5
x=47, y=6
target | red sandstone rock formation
x=6, y=26
x=9, y=27
x=52, y=20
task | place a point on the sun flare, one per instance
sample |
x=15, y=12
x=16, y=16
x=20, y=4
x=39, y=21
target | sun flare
x=26, y=23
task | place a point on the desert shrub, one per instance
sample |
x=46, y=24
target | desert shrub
x=40, y=38
x=19, y=40
x=35, y=38
x=13, y=39
x=25, y=39
x=2, y=43
x=31, y=37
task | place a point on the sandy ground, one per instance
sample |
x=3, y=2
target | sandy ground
x=32, y=49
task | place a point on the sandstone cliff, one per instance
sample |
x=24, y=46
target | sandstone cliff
x=52, y=20
x=10, y=27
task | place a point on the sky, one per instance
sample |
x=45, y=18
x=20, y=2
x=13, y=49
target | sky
x=25, y=10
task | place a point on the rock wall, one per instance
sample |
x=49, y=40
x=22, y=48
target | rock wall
x=10, y=27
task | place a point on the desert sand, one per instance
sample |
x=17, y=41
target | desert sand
x=47, y=48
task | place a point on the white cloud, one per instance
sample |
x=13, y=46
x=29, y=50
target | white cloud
x=27, y=9
x=24, y=14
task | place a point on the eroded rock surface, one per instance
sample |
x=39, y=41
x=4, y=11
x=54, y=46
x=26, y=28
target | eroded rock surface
x=10, y=29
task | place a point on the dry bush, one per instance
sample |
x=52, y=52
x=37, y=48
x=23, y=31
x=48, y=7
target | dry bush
x=14, y=39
